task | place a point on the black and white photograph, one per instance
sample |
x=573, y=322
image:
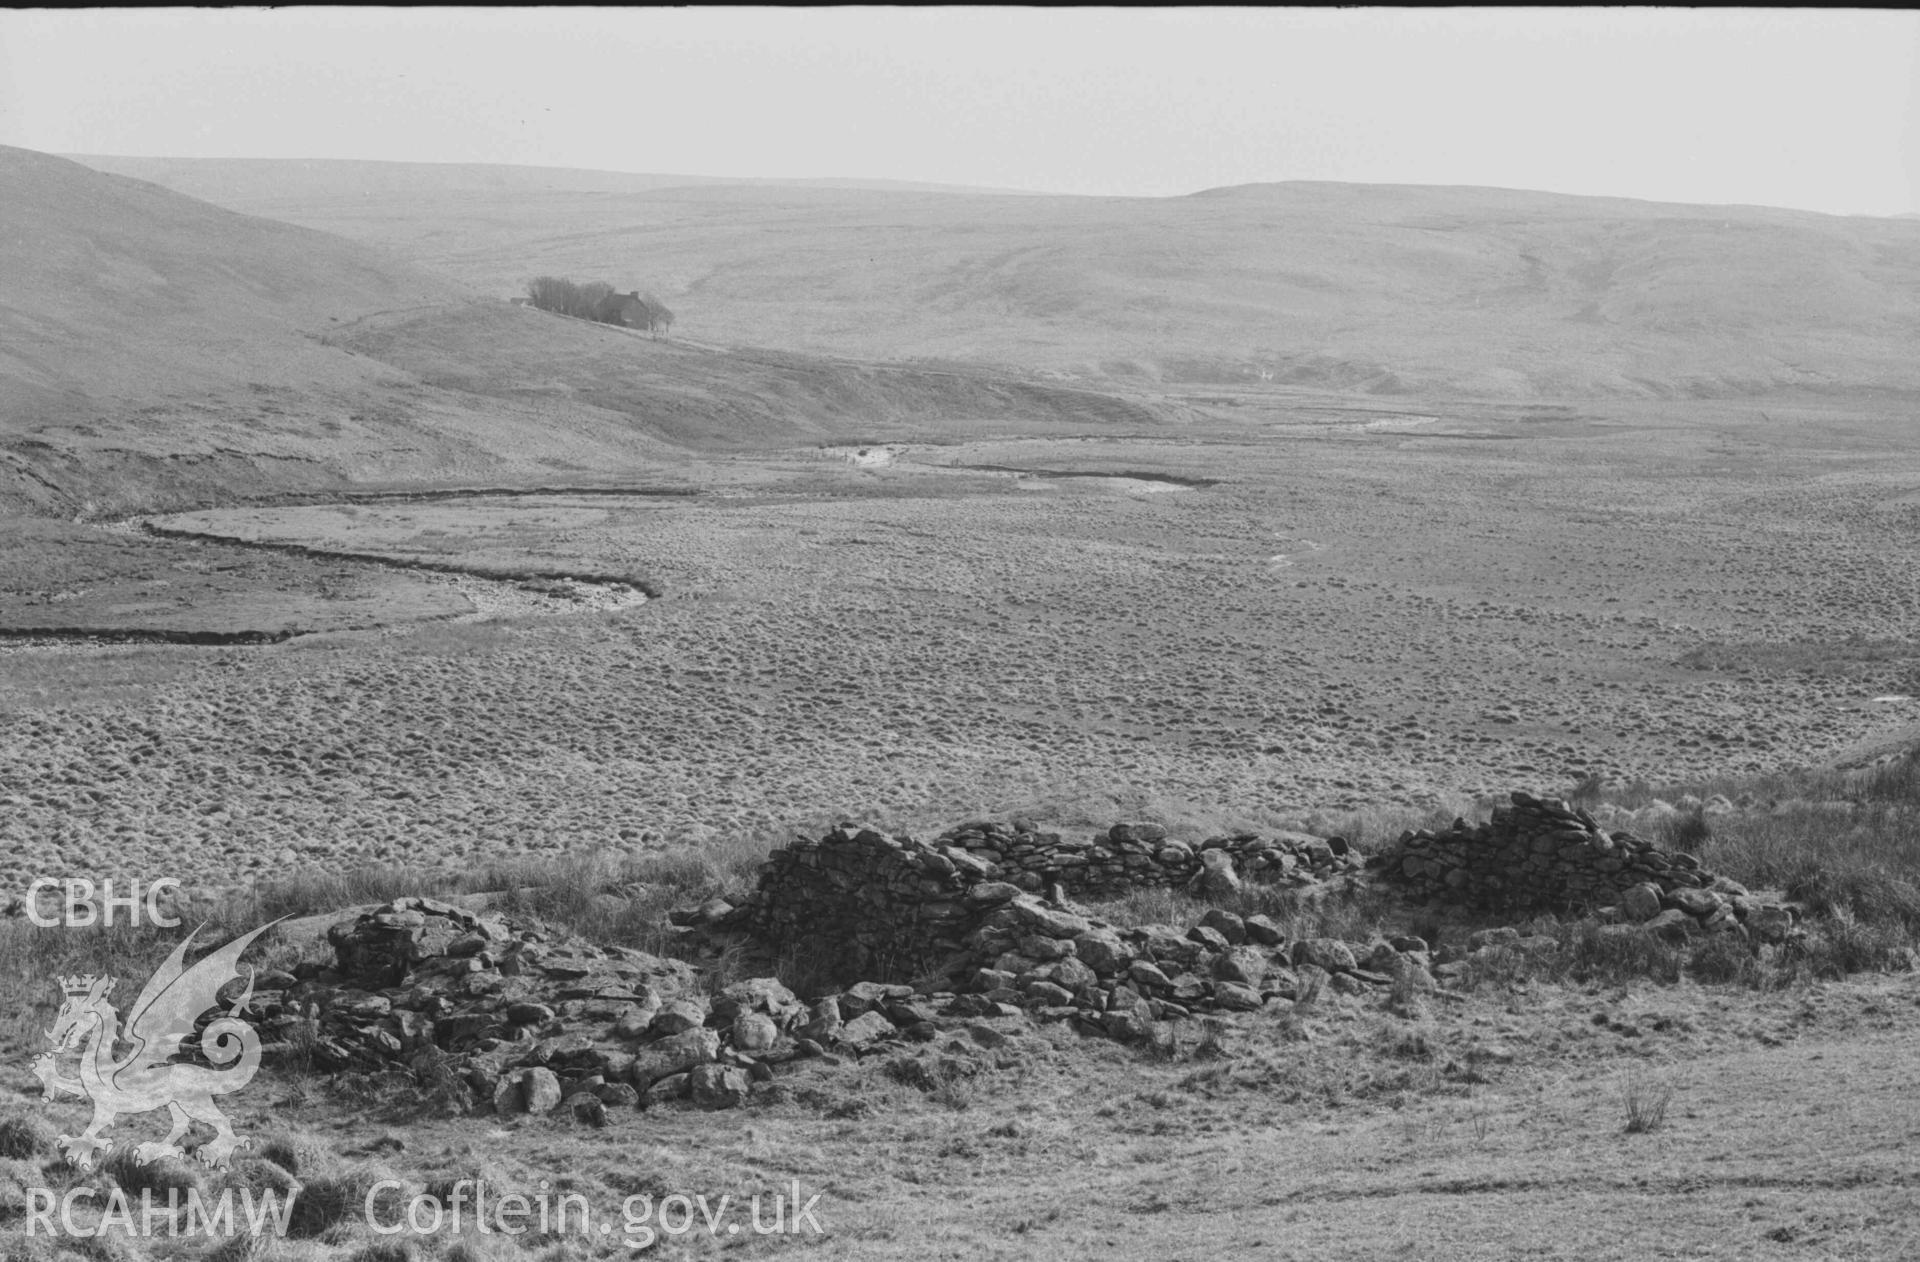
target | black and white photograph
x=978, y=632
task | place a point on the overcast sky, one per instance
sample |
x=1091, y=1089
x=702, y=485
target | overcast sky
x=1816, y=109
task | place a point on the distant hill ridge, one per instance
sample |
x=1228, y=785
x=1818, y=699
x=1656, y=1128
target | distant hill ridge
x=1391, y=289
x=241, y=179
x=1493, y=196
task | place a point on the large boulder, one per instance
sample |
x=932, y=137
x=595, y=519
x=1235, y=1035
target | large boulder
x=1261, y=930
x=1226, y=924
x=1235, y=997
x=672, y=1054
x=1330, y=954
x=534, y=1090
x=1103, y=950
x=718, y=1086
x=1640, y=902
x=1673, y=925
x=824, y=1025
x=864, y=997
x=679, y=1016
x=1244, y=965
x=1216, y=878
x=754, y=1032
x=1033, y=915
x=1072, y=974
x=866, y=1029
x=759, y=994
x=1697, y=903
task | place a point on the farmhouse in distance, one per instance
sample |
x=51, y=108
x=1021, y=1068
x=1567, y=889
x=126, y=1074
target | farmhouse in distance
x=598, y=301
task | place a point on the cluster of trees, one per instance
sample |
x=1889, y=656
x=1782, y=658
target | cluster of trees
x=597, y=300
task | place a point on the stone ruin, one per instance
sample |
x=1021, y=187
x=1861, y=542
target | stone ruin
x=881, y=906
x=940, y=949
x=1540, y=854
x=502, y=1013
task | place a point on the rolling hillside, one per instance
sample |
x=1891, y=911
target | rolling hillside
x=240, y=181
x=117, y=290
x=707, y=400
x=151, y=344
x=157, y=350
x=1391, y=289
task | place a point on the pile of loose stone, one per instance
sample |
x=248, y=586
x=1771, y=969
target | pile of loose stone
x=507, y=1013
x=427, y=994
x=1540, y=854
x=517, y=1016
x=1061, y=964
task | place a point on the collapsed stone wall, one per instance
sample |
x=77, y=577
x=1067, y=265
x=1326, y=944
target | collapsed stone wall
x=1136, y=856
x=485, y=1011
x=438, y=997
x=872, y=905
x=503, y=1013
x=1540, y=854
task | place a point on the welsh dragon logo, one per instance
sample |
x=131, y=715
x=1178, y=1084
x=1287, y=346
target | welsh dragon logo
x=151, y=1076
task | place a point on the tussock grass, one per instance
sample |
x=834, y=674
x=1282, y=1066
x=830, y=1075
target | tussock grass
x=157, y=1176
x=1830, y=841
x=1645, y=1100
x=1588, y=955
x=297, y=1156
x=484, y=1249
x=1370, y=829
x=246, y=1247
x=335, y=1201
x=1212, y=1043
x=40, y=955
x=15, y=1178
x=25, y=1136
x=101, y=1247
x=387, y=1251
x=603, y=892
x=1844, y=943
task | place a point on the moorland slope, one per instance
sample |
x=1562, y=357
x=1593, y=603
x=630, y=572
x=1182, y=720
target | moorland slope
x=119, y=290
x=160, y=351
x=148, y=340
x=228, y=180
x=1397, y=290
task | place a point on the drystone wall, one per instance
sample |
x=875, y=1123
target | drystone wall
x=1135, y=856
x=872, y=905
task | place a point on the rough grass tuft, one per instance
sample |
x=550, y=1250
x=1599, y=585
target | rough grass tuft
x=25, y=1136
x=156, y=1176
x=338, y=1201
x=1645, y=1100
